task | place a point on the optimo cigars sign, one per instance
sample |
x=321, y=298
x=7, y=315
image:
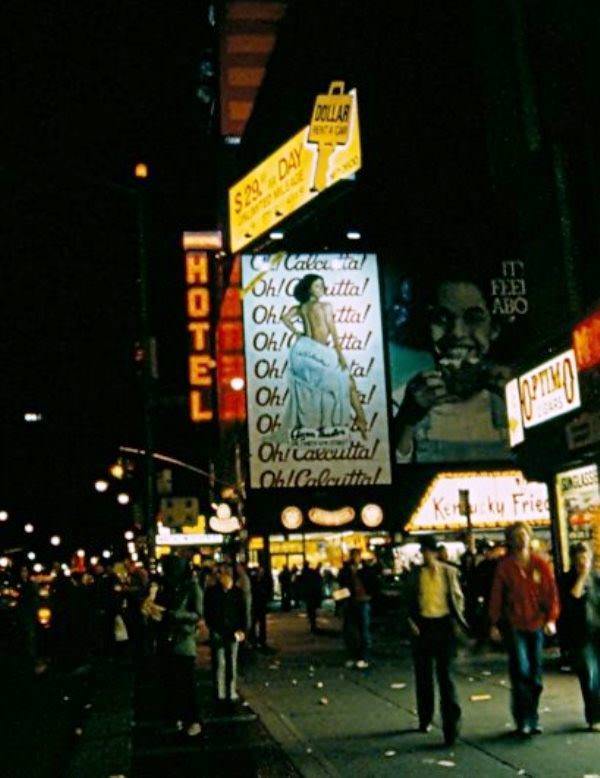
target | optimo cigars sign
x=317, y=404
x=549, y=390
x=318, y=156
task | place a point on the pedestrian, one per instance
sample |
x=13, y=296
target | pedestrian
x=436, y=607
x=27, y=609
x=311, y=591
x=225, y=616
x=524, y=604
x=180, y=598
x=361, y=585
x=242, y=580
x=262, y=593
x=581, y=627
x=285, y=585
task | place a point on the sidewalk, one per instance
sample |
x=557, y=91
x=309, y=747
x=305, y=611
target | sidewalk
x=240, y=748
x=357, y=723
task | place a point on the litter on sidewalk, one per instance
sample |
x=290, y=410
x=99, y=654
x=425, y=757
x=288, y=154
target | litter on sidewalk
x=480, y=697
x=398, y=686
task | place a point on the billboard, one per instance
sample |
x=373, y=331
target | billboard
x=319, y=155
x=315, y=375
x=452, y=336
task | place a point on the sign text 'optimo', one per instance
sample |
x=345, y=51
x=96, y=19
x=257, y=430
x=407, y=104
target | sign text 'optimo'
x=317, y=406
x=549, y=390
x=319, y=155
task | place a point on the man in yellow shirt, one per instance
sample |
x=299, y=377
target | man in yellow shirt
x=435, y=602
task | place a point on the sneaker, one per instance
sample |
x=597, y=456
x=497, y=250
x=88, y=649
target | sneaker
x=423, y=727
x=537, y=730
x=524, y=731
x=350, y=663
x=193, y=730
x=362, y=665
x=595, y=727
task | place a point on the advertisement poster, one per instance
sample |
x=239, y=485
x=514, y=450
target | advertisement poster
x=317, y=404
x=451, y=340
x=578, y=503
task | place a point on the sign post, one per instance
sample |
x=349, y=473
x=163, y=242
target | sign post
x=465, y=507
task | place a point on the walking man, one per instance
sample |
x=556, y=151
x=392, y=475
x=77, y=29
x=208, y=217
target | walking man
x=361, y=584
x=436, y=603
x=581, y=624
x=524, y=598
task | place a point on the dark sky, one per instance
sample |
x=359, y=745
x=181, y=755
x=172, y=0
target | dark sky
x=89, y=89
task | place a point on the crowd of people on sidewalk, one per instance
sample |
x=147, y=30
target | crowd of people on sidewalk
x=505, y=594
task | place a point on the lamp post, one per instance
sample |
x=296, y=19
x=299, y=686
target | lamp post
x=141, y=173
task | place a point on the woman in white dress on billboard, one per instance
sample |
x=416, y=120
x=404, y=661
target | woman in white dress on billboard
x=323, y=393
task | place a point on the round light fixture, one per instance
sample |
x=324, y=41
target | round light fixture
x=55, y=540
x=129, y=535
x=123, y=498
x=106, y=554
x=37, y=568
x=371, y=515
x=31, y=555
x=101, y=485
x=224, y=526
x=223, y=511
x=117, y=471
x=291, y=517
x=237, y=384
x=28, y=528
x=3, y=515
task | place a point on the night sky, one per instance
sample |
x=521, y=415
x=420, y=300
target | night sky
x=89, y=89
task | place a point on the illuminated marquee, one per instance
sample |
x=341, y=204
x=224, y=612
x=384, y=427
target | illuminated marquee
x=200, y=361
x=586, y=342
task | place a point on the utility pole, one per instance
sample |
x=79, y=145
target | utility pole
x=148, y=365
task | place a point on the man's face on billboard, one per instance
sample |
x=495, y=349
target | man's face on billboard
x=461, y=323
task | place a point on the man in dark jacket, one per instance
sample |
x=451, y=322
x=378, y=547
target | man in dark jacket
x=435, y=602
x=361, y=583
x=262, y=593
x=225, y=616
x=581, y=626
x=311, y=591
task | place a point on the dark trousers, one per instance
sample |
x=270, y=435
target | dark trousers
x=357, y=629
x=311, y=611
x=436, y=645
x=587, y=665
x=286, y=598
x=525, y=669
x=179, y=687
x=259, y=628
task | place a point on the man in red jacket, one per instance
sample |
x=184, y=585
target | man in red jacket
x=524, y=598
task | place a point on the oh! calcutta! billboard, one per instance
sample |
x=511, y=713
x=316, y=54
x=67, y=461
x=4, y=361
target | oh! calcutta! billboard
x=317, y=405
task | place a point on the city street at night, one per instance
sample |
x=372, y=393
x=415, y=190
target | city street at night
x=300, y=397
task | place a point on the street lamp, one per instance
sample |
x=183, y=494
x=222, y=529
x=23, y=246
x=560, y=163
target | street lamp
x=28, y=528
x=3, y=515
x=101, y=485
x=123, y=498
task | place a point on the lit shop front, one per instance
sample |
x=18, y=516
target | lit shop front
x=485, y=502
x=554, y=419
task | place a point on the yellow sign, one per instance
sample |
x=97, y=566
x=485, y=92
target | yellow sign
x=317, y=157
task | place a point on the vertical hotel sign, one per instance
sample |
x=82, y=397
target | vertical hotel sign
x=315, y=376
x=201, y=364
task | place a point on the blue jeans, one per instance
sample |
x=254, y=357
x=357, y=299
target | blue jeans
x=357, y=629
x=525, y=668
x=587, y=665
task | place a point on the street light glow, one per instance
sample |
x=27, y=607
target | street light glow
x=31, y=555
x=129, y=535
x=31, y=418
x=3, y=515
x=4, y=561
x=28, y=528
x=276, y=235
x=117, y=471
x=94, y=560
x=141, y=170
x=353, y=235
x=37, y=568
x=80, y=553
x=123, y=498
x=101, y=485
x=237, y=384
x=106, y=554
x=55, y=540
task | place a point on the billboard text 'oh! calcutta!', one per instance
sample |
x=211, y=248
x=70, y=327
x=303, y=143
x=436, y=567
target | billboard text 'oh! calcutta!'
x=317, y=405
